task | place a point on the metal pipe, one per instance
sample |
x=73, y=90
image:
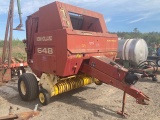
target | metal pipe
x=11, y=34
x=19, y=11
x=20, y=16
x=122, y=113
x=6, y=32
x=124, y=101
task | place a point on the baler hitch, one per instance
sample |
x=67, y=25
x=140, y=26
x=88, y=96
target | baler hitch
x=145, y=69
x=113, y=74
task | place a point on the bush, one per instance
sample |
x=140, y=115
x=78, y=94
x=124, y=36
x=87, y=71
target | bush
x=18, y=49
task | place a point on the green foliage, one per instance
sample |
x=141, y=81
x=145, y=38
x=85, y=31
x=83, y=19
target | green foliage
x=19, y=55
x=15, y=42
x=18, y=49
x=151, y=37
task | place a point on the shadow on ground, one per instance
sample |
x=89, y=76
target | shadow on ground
x=67, y=98
x=149, y=80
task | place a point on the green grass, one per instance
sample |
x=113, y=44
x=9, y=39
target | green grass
x=18, y=49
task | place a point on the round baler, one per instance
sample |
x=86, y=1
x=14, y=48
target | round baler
x=69, y=47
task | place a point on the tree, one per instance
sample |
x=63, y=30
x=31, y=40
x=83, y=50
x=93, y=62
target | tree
x=135, y=30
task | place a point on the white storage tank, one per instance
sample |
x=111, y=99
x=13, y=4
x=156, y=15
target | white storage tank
x=134, y=50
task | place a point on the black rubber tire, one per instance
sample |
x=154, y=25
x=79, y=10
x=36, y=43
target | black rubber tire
x=46, y=97
x=154, y=79
x=158, y=62
x=31, y=85
x=97, y=82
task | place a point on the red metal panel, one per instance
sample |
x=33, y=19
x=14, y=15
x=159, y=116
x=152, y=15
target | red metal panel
x=91, y=43
x=49, y=18
x=72, y=66
x=53, y=46
x=44, y=63
x=108, y=67
x=85, y=12
x=100, y=73
x=61, y=53
x=45, y=38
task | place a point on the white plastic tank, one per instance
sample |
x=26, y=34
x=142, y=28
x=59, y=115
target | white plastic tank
x=134, y=50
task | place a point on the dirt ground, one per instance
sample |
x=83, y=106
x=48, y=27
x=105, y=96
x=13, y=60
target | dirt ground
x=87, y=103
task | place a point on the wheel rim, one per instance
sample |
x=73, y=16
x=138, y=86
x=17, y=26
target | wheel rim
x=158, y=62
x=97, y=82
x=41, y=97
x=20, y=72
x=23, y=88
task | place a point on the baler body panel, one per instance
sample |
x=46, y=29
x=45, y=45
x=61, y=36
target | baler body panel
x=89, y=42
x=60, y=37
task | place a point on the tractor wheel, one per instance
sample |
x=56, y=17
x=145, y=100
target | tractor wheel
x=158, y=62
x=28, y=87
x=44, y=97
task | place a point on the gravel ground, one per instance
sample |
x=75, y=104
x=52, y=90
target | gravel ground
x=87, y=103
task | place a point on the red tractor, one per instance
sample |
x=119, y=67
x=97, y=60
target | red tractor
x=69, y=47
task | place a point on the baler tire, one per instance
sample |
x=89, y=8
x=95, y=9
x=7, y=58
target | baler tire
x=158, y=62
x=98, y=83
x=28, y=87
x=44, y=97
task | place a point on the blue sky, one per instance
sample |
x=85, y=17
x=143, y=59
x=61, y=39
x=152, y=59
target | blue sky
x=120, y=15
